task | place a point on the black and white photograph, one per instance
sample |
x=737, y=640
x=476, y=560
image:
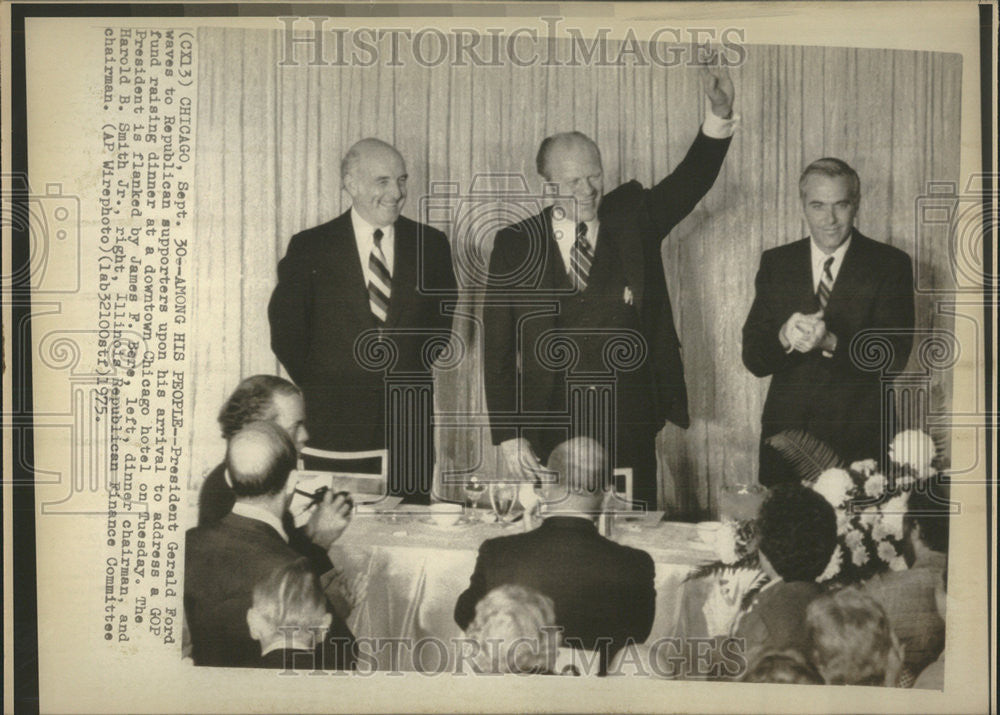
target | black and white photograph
x=495, y=357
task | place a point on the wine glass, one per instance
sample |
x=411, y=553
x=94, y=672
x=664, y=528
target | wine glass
x=502, y=500
x=474, y=490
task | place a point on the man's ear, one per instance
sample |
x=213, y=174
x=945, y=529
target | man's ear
x=350, y=184
x=254, y=623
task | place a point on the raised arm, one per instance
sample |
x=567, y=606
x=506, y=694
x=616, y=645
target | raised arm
x=676, y=195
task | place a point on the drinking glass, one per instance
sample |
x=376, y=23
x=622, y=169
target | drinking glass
x=502, y=500
x=474, y=490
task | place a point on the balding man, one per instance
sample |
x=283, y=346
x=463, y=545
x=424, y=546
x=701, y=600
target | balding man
x=603, y=592
x=225, y=559
x=589, y=270
x=370, y=269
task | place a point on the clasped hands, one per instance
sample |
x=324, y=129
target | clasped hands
x=805, y=333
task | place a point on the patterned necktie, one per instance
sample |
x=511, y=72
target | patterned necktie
x=825, y=284
x=379, y=284
x=580, y=258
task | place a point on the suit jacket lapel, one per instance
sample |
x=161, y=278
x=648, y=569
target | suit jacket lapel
x=626, y=237
x=404, y=270
x=850, y=277
x=800, y=279
x=555, y=274
x=345, y=265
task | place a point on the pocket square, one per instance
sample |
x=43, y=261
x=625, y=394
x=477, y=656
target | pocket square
x=627, y=297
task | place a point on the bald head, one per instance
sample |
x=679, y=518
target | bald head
x=581, y=467
x=259, y=459
x=374, y=174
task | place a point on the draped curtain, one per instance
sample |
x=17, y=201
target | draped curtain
x=270, y=140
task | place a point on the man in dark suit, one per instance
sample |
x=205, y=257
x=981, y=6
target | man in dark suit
x=813, y=298
x=603, y=592
x=373, y=273
x=588, y=270
x=258, y=397
x=225, y=560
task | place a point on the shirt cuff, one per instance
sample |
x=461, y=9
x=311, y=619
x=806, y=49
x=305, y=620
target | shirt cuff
x=716, y=127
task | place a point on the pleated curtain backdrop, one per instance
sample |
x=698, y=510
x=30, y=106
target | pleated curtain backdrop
x=270, y=140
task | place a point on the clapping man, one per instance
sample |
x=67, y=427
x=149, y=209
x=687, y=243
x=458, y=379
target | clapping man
x=813, y=298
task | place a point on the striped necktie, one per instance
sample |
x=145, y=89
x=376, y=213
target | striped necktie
x=379, y=284
x=580, y=258
x=825, y=284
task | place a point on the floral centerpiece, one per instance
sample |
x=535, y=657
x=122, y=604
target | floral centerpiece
x=869, y=506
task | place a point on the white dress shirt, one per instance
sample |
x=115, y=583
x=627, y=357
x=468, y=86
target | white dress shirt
x=364, y=235
x=565, y=230
x=252, y=511
x=819, y=258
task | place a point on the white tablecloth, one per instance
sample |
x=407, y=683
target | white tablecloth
x=411, y=574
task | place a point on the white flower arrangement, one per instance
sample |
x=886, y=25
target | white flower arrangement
x=835, y=485
x=887, y=552
x=833, y=567
x=859, y=555
x=914, y=449
x=864, y=467
x=854, y=540
x=875, y=485
x=726, y=543
x=892, y=515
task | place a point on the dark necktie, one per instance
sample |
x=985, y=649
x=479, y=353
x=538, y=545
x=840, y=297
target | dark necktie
x=825, y=284
x=379, y=285
x=580, y=258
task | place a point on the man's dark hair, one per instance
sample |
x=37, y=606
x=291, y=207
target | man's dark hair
x=798, y=531
x=252, y=400
x=929, y=508
x=259, y=459
x=832, y=167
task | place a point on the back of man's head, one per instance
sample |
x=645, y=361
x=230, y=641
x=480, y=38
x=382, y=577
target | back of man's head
x=252, y=400
x=798, y=532
x=579, y=467
x=851, y=642
x=259, y=459
x=288, y=601
x=928, y=509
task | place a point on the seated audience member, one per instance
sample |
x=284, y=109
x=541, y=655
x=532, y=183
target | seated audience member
x=515, y=632
x=288, y=616
x=932, y=677
x=603, y=592
x=226, y=559
x=908, y=596
x=850, y=640
x=785, y=666
x=267, y=398
x=798, y=534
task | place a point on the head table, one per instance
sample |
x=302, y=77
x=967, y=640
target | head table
x=407, y=573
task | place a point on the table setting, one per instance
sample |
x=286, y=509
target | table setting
x=411, y=562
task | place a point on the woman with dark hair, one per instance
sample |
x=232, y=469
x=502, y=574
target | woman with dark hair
x=798, y=535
